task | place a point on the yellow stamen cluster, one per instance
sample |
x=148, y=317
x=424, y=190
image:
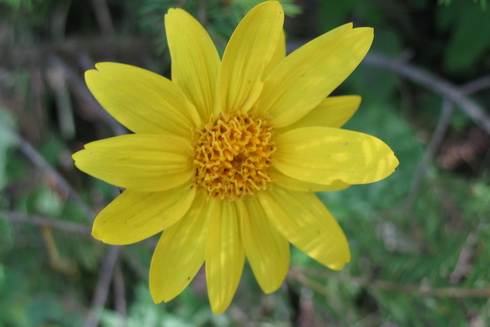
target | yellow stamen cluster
x=233, y=155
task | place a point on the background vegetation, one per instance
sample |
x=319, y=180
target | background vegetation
x=420, y=239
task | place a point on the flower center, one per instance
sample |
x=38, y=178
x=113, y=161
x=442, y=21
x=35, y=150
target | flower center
x=232, y=155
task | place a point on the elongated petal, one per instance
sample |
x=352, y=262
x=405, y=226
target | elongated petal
x=331, y=112
x=249, y=51
x=141, y=100
x=180, y=252
x=135, y=216
x=142, y=162
x=224, y=256
x=323, y=155
x=305, y=222
x=266, y=249
x=294, y=184
x=278, y=56
x=195, y=60
x=305, y=77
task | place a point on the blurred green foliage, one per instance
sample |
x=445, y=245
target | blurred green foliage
x=217, y=16
x=447, y=2
x=404, y=257
x=469, y=27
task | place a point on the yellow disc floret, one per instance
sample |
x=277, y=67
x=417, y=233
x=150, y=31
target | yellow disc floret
x=232, y=155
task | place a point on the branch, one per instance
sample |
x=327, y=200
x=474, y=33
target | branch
x=435, y=142
x=119, y=293
x=34, y=56
x=102, y=288
x=466, y=255
x=46, y=222
x=434, y=83
x=103, y=15
x=41, y=164
x=81, y=90
x=100, y=48
x=299, y=274
x=438, y=136
x=477, y=85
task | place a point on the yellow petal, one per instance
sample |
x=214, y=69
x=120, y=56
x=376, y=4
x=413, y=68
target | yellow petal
x=195, y=60
x=135, y=216
x=278, y=56
x=331, y=112
x=143, y=162
x=249, y=51
x=294, y=184
x=180, y=252
x=323, y=155
x=141, y=100
x=224, y=256
x=305, y=77
x=266, y=249
x=305, y=222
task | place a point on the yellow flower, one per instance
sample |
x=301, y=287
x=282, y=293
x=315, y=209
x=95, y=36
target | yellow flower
x=224, y=157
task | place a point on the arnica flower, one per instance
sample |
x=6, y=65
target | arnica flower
x=226, y=155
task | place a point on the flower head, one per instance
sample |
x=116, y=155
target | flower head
x=225, y=156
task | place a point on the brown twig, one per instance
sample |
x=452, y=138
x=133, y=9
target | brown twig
x=119, y=293
x=21, y=57
x=466, y=256
x=102, y=288
x=434, y=83
x=34, y=56
x=25, y=57
x=435, y=142
x=81, y=90
x=437, y=138
x=42, y=165
x=103, y=16
x=477, y=85
x=57, y=224
x=431, y=81
x=300, y=274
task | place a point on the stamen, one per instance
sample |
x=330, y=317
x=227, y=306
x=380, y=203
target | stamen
x=232, y=155
x=228, y=155
x=254, y=140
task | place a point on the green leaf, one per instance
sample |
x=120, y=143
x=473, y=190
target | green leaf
x=470, y=38
x=7, y=141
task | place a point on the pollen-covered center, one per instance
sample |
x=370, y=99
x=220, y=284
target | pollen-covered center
x=233, y=155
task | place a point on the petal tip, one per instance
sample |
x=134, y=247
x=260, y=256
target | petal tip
x=78, y=158
x=99, y=235
x=155, y=288
x=269, y=6
x=90, y=76
x=89, y=73
x=274, y=3
x=337, y=266
x=272, y=288
x=96, y=233
x=218, y=308
x=109, y=66
x=340, y=265
x=173, y=11
x=99, y=66
x=157, y=298
x=395, y=161
x=76, y=155
x=367, y=32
